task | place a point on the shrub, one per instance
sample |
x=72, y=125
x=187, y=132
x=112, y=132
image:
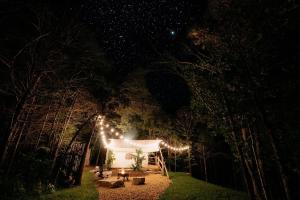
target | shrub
x=110, y=160
x=138, y=160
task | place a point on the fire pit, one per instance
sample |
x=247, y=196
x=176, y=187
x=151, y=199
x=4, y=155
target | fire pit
x=123, y=174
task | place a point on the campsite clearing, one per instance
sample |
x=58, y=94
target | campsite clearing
x=154, y=186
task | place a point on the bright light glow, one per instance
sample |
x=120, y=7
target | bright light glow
x=107, y=125
x=121, y=137
x=112, y=130
x=117, y=133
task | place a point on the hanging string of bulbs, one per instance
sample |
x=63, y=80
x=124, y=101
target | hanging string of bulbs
x=112, y=131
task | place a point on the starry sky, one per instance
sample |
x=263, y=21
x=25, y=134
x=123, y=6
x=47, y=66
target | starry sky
x=131, y=31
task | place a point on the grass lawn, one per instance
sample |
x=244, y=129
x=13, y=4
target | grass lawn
x=185, y=187
x=87, y=191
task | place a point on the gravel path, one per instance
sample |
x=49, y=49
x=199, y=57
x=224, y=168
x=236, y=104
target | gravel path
x=155, y=185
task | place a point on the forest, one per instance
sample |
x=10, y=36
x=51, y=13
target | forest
x=221, y=76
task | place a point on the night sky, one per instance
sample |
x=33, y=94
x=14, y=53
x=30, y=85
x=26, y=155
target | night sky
x=135, y=32
x=132, y=31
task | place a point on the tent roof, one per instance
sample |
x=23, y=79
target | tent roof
x=126, y=145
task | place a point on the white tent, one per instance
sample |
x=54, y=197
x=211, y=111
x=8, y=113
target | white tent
x=124, y=148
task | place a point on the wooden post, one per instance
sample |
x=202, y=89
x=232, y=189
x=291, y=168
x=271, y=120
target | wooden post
x=99, y=151
x=81, y=166
x=189, y=157
x=175, y=161
x=204, y=162
x=169, y=159
x=106, y=157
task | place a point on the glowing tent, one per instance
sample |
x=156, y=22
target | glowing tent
x=123, y=149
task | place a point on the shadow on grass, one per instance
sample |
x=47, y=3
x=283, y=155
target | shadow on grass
x=87, y=191
x=185, y=187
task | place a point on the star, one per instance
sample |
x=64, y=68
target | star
x=173, y=33
x=125, y=28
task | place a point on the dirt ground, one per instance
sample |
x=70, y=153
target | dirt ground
x=155, y=185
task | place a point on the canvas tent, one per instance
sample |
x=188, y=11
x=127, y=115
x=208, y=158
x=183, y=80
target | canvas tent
x=123, y=149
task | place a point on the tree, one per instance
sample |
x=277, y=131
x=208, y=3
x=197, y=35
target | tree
x=138, y=159
x=233, y=72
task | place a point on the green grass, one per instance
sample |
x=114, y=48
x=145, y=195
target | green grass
x=87, y=191
x=185, y=187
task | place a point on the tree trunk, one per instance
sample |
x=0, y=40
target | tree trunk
x=262, y=114
x=238, y=151
x=18, y=110
x=29, y=112
x=78, y=131
x=67, y=120
x=43, y=127
x=53, y=127
x=258, y=162
x=284, y=179
x=13, y=127
x=204, y=163
x=253, y=181
x=189, y=157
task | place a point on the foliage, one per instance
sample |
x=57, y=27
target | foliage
x=30, y=177
x=233, y=66
x=184, y=187
x=138, y=160
x=50, y=188
x=87, y=191
x=110, y=159
x=57, y=73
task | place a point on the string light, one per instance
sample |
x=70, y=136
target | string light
x=139, y=145
x=160, y=142
x=174, y=148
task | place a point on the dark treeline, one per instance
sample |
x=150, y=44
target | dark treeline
x=52, y=73
x=228, y=86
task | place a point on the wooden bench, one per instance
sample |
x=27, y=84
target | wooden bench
x=138, y=180
x=111, y=183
